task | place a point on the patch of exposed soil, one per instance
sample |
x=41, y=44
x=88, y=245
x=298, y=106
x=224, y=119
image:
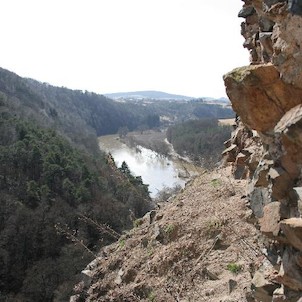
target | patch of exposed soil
x=198, y=247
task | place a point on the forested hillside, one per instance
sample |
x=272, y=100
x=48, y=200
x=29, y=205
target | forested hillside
x=58, y=192
x=72, y=110
x=68, y=109
x=177, y=111
x=201, y=140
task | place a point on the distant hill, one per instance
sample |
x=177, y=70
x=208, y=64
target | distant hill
x=70, y=110
x=211, y=100
x=224, y=100
x=160, y=95
x=147, y=95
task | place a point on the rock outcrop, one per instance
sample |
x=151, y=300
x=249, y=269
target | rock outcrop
x=203, y=245
x=267, y=144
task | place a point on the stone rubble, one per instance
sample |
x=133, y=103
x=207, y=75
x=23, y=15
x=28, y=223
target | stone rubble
x=267, y=97
x=197, y=247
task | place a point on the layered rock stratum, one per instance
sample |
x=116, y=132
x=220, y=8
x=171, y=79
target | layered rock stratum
x=266, y=147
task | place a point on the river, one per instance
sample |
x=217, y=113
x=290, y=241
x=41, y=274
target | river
x=156, y=171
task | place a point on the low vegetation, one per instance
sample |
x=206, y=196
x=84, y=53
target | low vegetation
x=234, y=268
x=166, y=193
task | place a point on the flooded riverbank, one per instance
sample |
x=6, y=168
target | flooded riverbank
x=156, y=170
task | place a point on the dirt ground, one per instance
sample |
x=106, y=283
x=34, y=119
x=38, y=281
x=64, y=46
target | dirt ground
x=197, y=247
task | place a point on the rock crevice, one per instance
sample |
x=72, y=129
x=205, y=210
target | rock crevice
x=267, y=97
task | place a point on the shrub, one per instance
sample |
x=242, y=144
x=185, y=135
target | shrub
x=234, y=268
x=122, y=243
x=151, y=297
x=213, y=226
x=169, y=229
x=215, y=182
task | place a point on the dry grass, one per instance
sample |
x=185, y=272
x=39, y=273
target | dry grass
x=206, y=230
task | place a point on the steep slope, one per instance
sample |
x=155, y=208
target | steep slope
x=68, y=109
x=267, y=145
x=184, y=253
x=52, y=176
x=198, y=247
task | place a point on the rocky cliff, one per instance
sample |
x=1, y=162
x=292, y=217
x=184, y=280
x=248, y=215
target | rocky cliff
x=266, y=147
x=204, y=245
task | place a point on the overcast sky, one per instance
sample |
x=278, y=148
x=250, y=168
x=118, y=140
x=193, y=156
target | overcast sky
x=176, y=46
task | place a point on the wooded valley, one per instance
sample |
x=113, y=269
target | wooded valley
x=61, y=198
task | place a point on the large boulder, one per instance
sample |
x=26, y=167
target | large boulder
x=269, y=223
x=287, y=45
x=258, y=197
x=263, y=288
x=290, y=273
x=289, y=134
x=292, y=229
x=281, y=182
x=260, y=86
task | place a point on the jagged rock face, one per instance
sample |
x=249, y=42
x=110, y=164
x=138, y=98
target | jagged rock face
x=259, y=96
x=287, y=46
x=289, y=134
x=272, y=34
x=267, y=97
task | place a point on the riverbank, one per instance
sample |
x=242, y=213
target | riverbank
x=158, y=171
x=157, y=141
x=154, y=140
